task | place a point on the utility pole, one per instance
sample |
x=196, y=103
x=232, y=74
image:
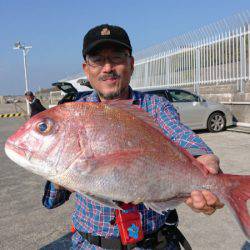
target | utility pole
x=25, y=50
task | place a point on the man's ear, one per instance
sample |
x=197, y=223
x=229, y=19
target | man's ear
x=85, y=69
x=132, y=62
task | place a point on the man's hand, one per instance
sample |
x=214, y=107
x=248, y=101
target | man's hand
x=204, y=201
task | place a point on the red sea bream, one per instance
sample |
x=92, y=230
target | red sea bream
x=115, y=152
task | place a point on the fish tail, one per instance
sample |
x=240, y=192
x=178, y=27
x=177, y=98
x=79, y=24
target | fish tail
x=237, y=195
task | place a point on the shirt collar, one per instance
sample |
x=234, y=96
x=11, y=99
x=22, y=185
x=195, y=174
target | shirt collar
x=93, y=97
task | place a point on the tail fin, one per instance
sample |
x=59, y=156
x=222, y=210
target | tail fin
x=237, y=194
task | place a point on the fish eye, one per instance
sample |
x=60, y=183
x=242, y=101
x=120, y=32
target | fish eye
x=44, y=127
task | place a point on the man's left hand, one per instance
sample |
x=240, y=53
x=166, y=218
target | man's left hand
x=204, y=201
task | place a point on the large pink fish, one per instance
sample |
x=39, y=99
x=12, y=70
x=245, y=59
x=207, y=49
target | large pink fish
x=115, y=152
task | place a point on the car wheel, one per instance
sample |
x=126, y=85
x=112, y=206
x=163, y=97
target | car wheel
x=216, y=122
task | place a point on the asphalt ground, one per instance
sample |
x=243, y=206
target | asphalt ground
x=26, y=224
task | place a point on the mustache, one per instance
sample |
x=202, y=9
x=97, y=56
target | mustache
x=109, y=75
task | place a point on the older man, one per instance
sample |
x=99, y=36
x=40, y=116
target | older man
x=109, y=64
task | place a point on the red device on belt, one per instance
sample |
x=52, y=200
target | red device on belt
x=129, y=224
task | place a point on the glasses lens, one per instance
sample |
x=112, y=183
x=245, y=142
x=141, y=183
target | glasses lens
x=94, y=60
x=99, y=61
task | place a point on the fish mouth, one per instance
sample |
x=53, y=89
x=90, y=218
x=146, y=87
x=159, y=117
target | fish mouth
x=21, y=152
x=18, y=155
x=22, y=157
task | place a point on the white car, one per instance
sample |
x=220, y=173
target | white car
x=195, y=111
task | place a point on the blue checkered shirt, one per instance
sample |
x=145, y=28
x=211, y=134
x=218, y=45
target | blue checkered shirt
x=91, y=217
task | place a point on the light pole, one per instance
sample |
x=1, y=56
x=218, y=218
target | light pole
x=25, y=50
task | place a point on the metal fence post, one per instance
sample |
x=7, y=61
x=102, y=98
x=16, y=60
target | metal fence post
x=248, y=41
x=197, y=71
x=167, y=71
x=242, y=64
x=146, y=73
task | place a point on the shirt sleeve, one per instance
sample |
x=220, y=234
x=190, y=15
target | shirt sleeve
x=52, y=197
x=169, y=121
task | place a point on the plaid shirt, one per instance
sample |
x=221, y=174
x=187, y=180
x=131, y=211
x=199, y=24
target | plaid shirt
x=94, y=218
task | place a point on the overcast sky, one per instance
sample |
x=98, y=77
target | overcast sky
x=55, y=30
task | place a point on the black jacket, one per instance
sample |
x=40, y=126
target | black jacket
x=36, y=107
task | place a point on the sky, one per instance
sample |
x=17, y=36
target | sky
x=55, y=30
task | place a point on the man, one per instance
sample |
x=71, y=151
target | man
x=35, y=104
x=108, y=66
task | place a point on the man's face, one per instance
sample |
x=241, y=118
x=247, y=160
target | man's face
x=29, y=98
x=109, y=71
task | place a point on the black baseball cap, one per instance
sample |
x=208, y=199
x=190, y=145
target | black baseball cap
x=105, y=33
x=28, y=93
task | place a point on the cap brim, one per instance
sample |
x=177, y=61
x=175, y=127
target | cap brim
x=100, y=42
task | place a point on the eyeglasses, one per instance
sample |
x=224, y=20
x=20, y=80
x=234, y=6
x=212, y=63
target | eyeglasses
x=99, y=61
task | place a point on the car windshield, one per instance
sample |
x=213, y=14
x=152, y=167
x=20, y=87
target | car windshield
x=158, y=92
x=65, y=87
x=183, y=96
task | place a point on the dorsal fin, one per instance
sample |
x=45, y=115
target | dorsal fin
x=135, y=110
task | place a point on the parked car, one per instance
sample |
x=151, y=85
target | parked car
x=195, y=111
x=72, y=93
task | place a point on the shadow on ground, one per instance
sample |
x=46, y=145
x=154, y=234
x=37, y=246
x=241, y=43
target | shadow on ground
x=201, y=131
x=63, y=243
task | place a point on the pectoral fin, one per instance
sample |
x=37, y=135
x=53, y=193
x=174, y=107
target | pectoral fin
x=162, y=206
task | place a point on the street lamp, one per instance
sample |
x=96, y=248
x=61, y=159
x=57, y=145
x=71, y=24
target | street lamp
x=25, y=50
